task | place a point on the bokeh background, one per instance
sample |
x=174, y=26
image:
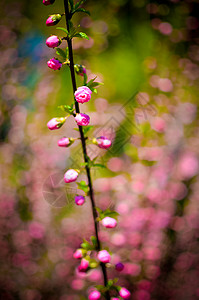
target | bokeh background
x=147, y=55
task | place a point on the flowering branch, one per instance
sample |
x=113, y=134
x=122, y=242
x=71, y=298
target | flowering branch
x=81, y=95
x=83, y=142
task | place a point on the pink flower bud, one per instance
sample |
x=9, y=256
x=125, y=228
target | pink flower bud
x=94, y=295
x=71, y=175
x=79, y=200
x=124, y=293
x=115, y=299
x=54, y=64
x=80, y=70
x=109, y=222
x=83, y=265
x=82, y=119
x=104, y=256
x=78, y=254
x=102, y=142
x=53, y=20
x=53, y=41
x=119, y=266
x=83, y=94
x=48, y=2
x=56, y=123
x=65, y=142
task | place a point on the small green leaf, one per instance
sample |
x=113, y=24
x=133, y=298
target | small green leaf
x=91, y=81
x=85, y=78
x=83, y=186
x=61, y=52
x=79, y=3
x=82, y=10
x=68, y=108
x=95, y=91
x=99, y=165
x=87, y=128
x=93, y=263
x=94, y=241
x=86, y=246
x=71, y=4
x=63, y=29
x=82, y=35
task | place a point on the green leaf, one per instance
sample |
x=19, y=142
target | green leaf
x=63, y=29
x=61, y=52
x=91, y=81
x=83, y=186
x=79, y=3
x=107, y=213
x=82, y=35
x=94, y=90
x=87, y=128
x=85, y=78
x=93, y=263
x=68, y=108
x=86, y=246
x=94, y=241
x=95, y=84
x=82, y=10
x=71, y=4
x=99, y=165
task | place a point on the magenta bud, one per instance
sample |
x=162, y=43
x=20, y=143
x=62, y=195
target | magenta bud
x=124, y=293
x=104, y=256
x=48, y=2
x=53, y=20
x=109, y=222
x=53, y=41
x=102, y=142
x=115, y=299
x=71, y=175
x=80, y=70
x=119, y=266
x=83, y=94
x=82, y=119
x=83, y=265
x=56, y=123
x=54, y=64
x=78, y=254
x=79, y=200
x=65, y=142
x=94, y=295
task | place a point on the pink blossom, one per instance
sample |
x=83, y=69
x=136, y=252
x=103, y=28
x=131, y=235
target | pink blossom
x=124, y=293
x=103, y=142
x=53, y=41
x=109, y=222
x=56, y=123
x=65, y=142
x=78, y=254
x=115, y=299
x=94, y=295
x=36, y=230
x=53, y=20
x=104, y=256
x=54, y=64
x=119, y=267
x=83, y=94
x=83, y=265
x=48, y=2
x=79, y=200
x=82, y=119
x=71, y=175
x=188, y=165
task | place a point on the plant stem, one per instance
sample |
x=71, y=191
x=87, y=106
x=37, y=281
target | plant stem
x=83, y=142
